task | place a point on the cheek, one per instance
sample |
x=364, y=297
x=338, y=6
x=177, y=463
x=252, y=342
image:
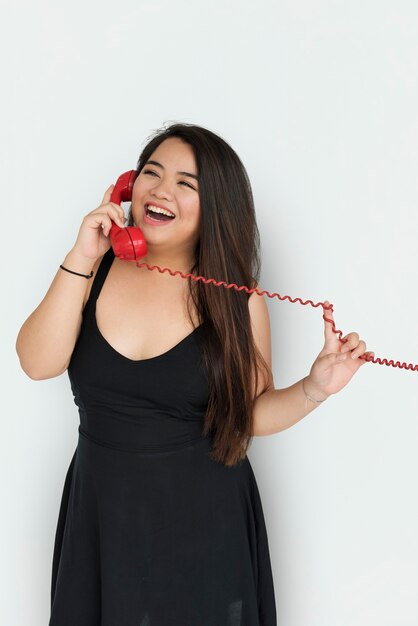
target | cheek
x=194, y=211
x=138, y=189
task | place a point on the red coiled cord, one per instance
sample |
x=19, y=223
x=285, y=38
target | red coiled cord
x=375, y=359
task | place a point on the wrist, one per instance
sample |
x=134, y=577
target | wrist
x=311, y=393
x=77, y=262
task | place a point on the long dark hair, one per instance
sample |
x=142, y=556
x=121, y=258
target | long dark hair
x=228, y=250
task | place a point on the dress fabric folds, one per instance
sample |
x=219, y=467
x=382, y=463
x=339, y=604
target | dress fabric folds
x=151, y=531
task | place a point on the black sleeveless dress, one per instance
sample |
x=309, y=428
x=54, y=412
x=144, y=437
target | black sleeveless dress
x=151, y=531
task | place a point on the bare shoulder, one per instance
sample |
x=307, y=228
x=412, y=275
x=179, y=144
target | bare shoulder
x=260, y=322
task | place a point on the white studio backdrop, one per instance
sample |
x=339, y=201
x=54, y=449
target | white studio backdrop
x=320, y=101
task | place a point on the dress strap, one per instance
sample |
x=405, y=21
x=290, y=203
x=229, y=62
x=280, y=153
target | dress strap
x=102, y=272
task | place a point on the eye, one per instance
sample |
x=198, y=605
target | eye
x=182, y=182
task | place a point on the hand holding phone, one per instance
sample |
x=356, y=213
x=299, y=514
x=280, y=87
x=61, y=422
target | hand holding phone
x=93, y=237
x=128, y=243
x=104, y=227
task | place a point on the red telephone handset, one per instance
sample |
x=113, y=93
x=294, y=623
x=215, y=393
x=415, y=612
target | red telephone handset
x=128, y=243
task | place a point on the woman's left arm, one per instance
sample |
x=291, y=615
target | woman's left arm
x=278, y=409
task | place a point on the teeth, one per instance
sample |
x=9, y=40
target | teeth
x=156, y=209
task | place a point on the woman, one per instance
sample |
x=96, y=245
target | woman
x=161, y=521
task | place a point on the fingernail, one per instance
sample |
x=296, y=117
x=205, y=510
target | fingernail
x=341, y=357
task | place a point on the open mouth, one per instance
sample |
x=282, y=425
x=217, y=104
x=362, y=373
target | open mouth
x=158, y=215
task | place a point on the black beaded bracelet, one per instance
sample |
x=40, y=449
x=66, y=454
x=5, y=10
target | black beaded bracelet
x=77, y=273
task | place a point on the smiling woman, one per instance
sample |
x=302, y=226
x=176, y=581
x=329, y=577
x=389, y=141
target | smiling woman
x=161, y=520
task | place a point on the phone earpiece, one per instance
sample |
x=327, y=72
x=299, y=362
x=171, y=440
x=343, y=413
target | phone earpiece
x=128, y=243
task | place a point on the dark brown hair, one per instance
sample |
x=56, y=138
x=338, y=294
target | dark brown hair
x=228, y=250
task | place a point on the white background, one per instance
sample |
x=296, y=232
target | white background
x=320, y=101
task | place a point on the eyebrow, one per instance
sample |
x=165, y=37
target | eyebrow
x=162, y=167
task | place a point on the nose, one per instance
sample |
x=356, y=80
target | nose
x=161, y=189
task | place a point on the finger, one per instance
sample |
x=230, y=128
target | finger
x=365, y=358
x=107, y=194
x=328, y=320
x=336, y=357
x=118, y=208
x=105, y=223
x=114, y=211
x=360, y=349
x=351, y=341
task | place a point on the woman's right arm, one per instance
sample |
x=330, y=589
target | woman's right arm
x=47, y=338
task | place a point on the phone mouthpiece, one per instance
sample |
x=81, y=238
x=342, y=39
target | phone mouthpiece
x=128, y=243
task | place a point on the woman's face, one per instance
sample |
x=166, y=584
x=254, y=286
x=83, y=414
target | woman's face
x=166, y=183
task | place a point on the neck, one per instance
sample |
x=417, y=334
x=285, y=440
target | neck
x=171, y=261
